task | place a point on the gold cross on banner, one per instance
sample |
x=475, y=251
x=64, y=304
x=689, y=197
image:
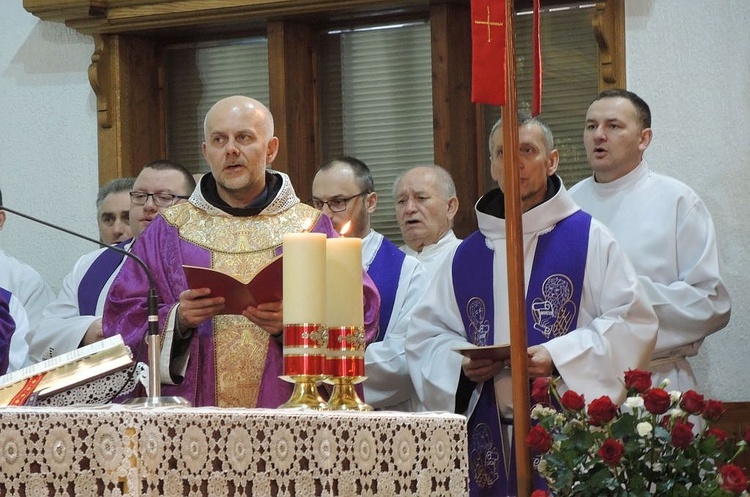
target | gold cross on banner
x=489, y=24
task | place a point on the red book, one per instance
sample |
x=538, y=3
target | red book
x=265, y=286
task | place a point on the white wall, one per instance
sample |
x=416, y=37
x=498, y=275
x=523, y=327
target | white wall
x=48, y=165
x=690, y=59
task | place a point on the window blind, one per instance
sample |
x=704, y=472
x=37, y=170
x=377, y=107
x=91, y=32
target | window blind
x=200, y=74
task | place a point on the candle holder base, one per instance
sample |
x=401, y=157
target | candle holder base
x=305, y=394
x=344, y=396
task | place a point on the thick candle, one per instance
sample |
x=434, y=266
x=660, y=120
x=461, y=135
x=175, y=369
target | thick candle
x=344, y=297
x=304, y=278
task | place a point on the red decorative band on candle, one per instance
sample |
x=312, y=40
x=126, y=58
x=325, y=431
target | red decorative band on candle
x=350, y=367
x=305, y=336
x=347, y=338
x=304, y=365
x=305, y=349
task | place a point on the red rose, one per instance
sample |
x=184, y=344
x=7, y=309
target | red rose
x=692, y=402
x=656, y=400
x=572, y=401
x=601, y=411
x=713, y=410
x=682, y=434
x=540, y=390
x=539, y=439
x=611, y=451
x=733, y=479
x=637, y=380
x=720, y=434
x=539, y=493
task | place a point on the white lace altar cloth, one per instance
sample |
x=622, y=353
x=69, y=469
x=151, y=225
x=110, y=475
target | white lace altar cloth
x=121, y=451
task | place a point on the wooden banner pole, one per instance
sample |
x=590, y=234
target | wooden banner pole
x=514, y=241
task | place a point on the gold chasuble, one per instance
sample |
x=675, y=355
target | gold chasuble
x=239, y=246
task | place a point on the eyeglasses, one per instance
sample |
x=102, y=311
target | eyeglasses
x=335, y=204
x=160, y=199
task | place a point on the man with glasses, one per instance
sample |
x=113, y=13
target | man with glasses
x=344, y=190
x=74, y=319
x=234, y=222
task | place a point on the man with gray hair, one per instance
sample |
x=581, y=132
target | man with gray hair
x=426, y=205
x=113, y=211
x=588, y=317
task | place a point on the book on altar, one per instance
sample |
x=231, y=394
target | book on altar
x=66, y=371
x=265, y=286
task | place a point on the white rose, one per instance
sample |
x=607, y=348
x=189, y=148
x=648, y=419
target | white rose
x=634, y=402
x=644, y=428
x=675, y=396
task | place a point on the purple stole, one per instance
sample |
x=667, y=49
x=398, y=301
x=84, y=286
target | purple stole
x=385, y=272
x=96, y=277
x=552, y=301
x=7, y=327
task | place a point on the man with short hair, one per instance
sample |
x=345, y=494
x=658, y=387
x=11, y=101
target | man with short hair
x=344, y=190
x=113, y=209
x=663, y=226
x=74, y=318
x=587, y=317
x=23, y=281
x=426, y=205
x=233, y=222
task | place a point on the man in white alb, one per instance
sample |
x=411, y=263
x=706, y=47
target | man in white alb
x=663, y=226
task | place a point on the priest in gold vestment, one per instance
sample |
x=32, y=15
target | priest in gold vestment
x=233, y=222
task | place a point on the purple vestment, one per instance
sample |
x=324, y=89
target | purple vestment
x=164, y=248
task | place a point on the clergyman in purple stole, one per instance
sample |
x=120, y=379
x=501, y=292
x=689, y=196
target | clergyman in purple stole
x=552, y=301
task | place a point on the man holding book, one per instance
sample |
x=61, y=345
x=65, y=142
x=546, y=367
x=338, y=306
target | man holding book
x=233, y=222
x=74, y=318
x=344, y=190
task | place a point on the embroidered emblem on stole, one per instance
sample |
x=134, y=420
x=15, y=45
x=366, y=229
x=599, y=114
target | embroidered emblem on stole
x=476, y=312
x=553, y=313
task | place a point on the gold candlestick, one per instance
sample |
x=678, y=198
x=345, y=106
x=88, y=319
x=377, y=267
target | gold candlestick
x=345, y=366
x=305, y=364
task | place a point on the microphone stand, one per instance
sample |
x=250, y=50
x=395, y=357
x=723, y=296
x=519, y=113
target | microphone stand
x=152, y=338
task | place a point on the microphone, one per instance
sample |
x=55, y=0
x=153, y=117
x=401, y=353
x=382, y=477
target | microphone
x=152, y=339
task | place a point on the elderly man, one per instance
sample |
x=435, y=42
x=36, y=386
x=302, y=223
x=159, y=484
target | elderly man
x=113, y=209
x=587, y=316
x=663, y=226
x=233, y=222
x=426, y=205
x=344, y=190
x=74, y=318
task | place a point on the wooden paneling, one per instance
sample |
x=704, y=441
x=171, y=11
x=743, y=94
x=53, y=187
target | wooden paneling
x=291, y=49
x=735, y=421
x=454, y=115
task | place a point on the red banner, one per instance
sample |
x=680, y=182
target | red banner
x=536, y=84
x=488, y=51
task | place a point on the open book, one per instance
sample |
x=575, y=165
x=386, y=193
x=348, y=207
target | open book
x=65, y=371
x=265, y=286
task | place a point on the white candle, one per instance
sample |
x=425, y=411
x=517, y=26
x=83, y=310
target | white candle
x=304, y=278
x=344, y=296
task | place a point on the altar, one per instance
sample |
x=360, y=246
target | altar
x=116, y=451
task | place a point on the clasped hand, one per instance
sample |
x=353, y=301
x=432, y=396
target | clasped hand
x=197, y=305
x=539, y=363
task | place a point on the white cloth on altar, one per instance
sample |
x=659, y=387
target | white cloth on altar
x=388, y=384
x=616, y=328
x=62, y=326
x=668, y=233
x=432, y=256
x=27, y=285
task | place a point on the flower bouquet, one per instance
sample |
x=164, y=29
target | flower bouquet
x=657, y=443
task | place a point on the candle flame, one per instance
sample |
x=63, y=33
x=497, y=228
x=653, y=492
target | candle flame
x=307, y=225
x=345, y=228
